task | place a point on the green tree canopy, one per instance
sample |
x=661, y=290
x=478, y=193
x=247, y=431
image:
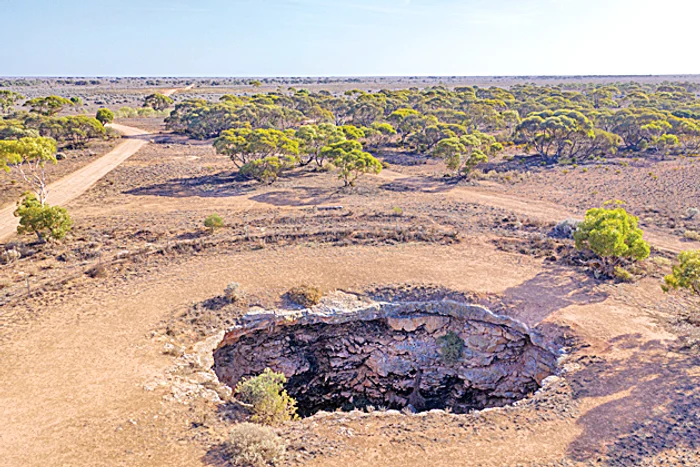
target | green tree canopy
x=8, y=99
x=613, y=235
x=105, y=116
x=352, y=162
x=72, y=130
x=158, y=101
x=48, y=106
x=463, y=153
x=559, y=133
x=313, y=138
x=243, y=145
x=28, y=156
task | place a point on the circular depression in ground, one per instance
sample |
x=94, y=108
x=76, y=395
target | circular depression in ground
x=417, y=355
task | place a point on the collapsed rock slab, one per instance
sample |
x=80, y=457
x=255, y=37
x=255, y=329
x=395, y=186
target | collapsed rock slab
x=357, y=353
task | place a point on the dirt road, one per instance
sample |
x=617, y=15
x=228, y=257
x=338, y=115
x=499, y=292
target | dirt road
x=542, y=210
x=170, y=92
x=77, y=183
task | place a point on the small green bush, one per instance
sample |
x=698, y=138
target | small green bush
x=305, y=295
x=686, y=274
x=213, y=222
x=451, y=347
x=127, y=112
x=45, y=221
x=270, y=403
x=254, y=446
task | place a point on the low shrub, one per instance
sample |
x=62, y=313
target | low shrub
x=105, y=116
x=254, y=445
x=613, y=235
x=686, y=274
x=305, y=295
x=660, y=262
x=565, y=229
x=451, y=347
x=265, y=394
x=234, y=293
x=691, y=235
x=622, y=274
x=97, y=271
x=213, y=222
x=47, y=222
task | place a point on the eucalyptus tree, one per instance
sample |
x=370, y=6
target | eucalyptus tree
x=48, y=106
x=8, y=99
x=244, y=145
x=351, y=161
x=313, y=138
x=28, y=157
x=555, y=134
x=158, y=101
x=462, y=154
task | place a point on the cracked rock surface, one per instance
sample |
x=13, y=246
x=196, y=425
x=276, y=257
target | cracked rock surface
x=353, y=353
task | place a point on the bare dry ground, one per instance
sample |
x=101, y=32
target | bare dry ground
x=83, y=363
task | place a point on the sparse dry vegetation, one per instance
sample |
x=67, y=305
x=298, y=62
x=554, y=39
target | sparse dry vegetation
x=305, y=295
x=140, y=279
x=252, y=445
x=267, y=398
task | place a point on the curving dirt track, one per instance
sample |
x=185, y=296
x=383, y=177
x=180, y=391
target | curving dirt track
x=77, y=183
x=542, y=210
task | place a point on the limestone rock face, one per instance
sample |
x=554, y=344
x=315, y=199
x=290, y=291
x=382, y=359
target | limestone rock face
x=353, y=353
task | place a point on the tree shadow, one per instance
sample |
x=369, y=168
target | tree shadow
x=549, y=291
x=654, y=408
x=300, y=196
x=421, y=184
x=406, y=158
x=148, y=137
x=216, y=456
x=207, y=186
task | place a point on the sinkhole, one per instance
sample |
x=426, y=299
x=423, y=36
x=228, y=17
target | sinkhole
x=412, y=355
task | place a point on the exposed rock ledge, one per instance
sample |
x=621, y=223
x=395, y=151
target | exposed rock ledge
x=349, y=353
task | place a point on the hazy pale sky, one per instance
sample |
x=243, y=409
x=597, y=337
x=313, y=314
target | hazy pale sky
x=347, y=37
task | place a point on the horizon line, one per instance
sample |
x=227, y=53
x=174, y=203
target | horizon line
x=645, y=75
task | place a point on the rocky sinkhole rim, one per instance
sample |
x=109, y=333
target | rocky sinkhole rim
x=358, y=353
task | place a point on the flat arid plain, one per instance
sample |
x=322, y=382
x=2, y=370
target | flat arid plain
x=118, y=337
